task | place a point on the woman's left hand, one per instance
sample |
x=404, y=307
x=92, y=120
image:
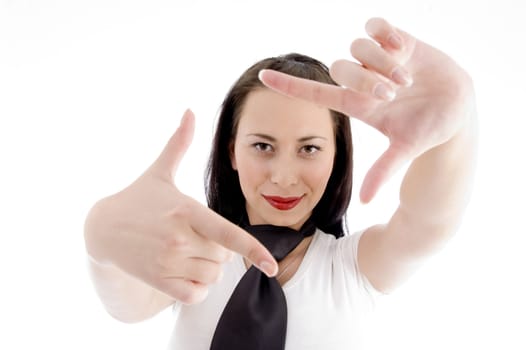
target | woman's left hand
x=413, y=93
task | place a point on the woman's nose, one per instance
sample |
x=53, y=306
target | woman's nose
x=284, y=171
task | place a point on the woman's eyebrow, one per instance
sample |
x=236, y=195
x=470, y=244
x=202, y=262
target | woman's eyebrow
x=263, y=136
x=308, y=138
x=301, y=139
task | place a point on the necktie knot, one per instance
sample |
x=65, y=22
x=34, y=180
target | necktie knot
x=280, y=241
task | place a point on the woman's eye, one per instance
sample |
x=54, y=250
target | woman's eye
x=310, y=149
x=262, y=147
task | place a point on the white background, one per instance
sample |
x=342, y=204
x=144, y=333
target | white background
x=91, y=90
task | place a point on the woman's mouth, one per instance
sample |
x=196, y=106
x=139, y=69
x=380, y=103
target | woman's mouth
x=283, y=203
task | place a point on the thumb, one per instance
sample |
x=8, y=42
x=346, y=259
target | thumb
x=172, y=154
x=381, y=171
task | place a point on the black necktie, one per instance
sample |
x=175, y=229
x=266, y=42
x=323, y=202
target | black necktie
x=255, y=317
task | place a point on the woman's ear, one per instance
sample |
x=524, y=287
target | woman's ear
x=231, y=152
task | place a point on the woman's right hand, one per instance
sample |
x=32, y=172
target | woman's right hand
x=168, y=240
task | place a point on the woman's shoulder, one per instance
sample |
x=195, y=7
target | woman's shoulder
x=330, y=240
x=341, y=256
x=343, y=250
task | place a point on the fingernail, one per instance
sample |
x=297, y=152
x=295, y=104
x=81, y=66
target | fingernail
x=383, y=92
x=260, y=74
x=268, y=268
x=395, y=41
x=401, y=76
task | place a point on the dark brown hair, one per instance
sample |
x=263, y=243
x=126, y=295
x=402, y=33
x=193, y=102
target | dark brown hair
x=223, y=190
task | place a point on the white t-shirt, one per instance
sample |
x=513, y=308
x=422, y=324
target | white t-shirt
x=328, y=300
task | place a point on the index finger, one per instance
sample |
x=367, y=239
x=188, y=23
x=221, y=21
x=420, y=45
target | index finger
x=213, y=226
x=333, y=97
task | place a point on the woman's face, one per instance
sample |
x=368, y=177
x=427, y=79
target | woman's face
x=283, y=152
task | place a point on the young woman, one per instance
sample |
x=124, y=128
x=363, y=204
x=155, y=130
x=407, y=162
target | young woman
x=282, y=161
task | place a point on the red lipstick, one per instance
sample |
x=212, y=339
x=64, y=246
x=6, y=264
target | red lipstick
x=283, y=203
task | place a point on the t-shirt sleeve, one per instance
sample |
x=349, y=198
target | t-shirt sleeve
x=349, y=248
